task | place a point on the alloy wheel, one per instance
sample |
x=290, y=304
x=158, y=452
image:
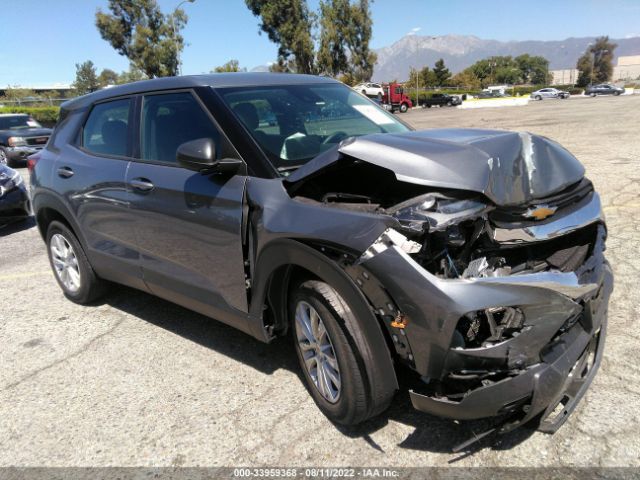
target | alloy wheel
x=317, y=351
x=65, y=263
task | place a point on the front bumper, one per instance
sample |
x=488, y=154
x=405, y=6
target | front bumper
x=543, y=370
x=14, y=205
x=552, y=387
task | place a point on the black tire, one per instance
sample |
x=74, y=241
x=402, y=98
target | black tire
x=617, y=93
x=354, y=404
x=538, y=97
x=592, y=95
x=379, y=97
x=91, y=286
x=364, y=92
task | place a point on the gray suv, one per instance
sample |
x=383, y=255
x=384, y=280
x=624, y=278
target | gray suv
x=292, y=205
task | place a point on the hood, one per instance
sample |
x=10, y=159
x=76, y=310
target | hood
x=507, y=167
x=27, y=132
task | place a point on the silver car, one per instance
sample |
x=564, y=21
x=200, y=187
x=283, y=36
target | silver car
x=545, y=93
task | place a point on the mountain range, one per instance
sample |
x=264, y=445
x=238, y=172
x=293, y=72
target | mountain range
x=461, y=51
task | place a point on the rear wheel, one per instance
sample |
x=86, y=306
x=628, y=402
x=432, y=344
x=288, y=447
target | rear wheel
x=330, y=359
x=70, y=265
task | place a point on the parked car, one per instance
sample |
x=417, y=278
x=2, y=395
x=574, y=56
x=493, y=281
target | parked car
x=376, y=247
x=20, y=136
x=370, y=90
x=14, y=199
x=490, y=94
x=441, y=100
x=545, y=93
x=603, y=89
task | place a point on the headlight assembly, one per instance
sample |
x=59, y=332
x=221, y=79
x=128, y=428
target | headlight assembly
x=437, y=210
x=16, y=141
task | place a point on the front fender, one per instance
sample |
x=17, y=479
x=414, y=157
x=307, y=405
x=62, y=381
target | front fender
x=367, y=336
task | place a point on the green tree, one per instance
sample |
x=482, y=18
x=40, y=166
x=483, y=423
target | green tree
x=230, y=66
x=533, y=69
x=334, y=24
x=288, y=23
x=140, y=31
x=86, y=78
x=345, y=29
x=465, y=79
x=132, y=75
x=585, y=69
x=442, y=73
x=107, y=77
x=363, y=58
x=597, y=61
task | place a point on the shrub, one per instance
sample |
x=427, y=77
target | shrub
x=47, y=116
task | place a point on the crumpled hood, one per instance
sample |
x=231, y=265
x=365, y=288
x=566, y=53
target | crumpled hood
x=508, y=167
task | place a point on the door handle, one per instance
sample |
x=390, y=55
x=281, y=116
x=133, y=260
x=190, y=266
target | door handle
x=142, y=184
x=65, y=172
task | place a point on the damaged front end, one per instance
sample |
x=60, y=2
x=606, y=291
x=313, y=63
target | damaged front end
x=494, y=292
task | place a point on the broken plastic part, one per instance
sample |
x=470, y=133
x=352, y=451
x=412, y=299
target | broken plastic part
x=389, y=238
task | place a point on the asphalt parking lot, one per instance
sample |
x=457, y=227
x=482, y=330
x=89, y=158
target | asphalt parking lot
x=137, y=381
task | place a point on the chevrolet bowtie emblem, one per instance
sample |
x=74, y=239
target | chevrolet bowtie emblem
x=540, y=212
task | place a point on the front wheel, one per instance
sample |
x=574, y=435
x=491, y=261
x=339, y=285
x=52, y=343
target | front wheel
x=617, y=93
x=538, y=97
x=404, y=107
x=331, y=361
x=70, y=265
x=592, y=95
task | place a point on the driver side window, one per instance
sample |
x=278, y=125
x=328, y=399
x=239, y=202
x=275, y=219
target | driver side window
x=168, y=121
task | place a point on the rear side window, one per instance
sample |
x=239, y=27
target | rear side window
x=106, y=129
x=168, y=121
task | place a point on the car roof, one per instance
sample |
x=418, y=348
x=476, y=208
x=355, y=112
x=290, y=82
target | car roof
x=215, y=80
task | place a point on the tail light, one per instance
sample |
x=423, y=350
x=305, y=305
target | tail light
x=31, y=161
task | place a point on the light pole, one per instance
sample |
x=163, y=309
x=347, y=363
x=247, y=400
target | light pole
x=175, y=39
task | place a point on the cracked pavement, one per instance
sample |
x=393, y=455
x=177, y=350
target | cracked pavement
x=137, y=381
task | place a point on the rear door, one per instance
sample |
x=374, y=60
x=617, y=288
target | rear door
x=90, y=175
x=188, y=224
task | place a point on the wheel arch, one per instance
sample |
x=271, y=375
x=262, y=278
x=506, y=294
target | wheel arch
x=280, y=264
x=47, y=208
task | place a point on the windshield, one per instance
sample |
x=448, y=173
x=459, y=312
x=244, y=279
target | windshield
x=16, y=122
x=294, y=123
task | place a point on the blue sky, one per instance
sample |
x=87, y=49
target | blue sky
x=55, y=34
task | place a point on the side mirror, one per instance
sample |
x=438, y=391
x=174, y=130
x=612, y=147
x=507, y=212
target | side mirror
x=200, y=155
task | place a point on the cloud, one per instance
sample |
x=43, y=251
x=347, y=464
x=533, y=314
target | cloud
x=632, y=35
x=414, y=30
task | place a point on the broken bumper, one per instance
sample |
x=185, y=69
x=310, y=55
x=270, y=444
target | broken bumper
x=552, y=387
x=546, y=368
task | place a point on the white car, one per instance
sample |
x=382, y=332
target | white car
x=549, y=93
x=370, y=89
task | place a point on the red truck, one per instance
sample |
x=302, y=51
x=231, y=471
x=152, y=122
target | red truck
x=394, y=98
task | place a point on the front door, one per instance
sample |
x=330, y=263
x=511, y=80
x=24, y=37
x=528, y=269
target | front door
x=189, y=225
